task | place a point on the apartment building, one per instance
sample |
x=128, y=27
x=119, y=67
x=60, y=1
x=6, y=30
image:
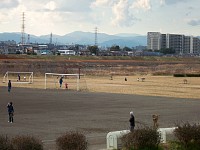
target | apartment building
x=176, y=42
x=154, y=40
x=196, y=45
x=180, y=43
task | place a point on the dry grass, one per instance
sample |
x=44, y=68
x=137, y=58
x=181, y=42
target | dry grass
x=167, y=86
x=153, y=85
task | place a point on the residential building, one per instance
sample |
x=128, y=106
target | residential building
x=175, y=42
x=66, y=52
x=8, y=47
x=154, y=40
x=188, y=45
x=196, y=45
x=181, y=44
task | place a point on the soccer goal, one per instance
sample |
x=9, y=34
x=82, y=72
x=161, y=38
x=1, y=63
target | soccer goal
x=18, y=77
x=70, y=81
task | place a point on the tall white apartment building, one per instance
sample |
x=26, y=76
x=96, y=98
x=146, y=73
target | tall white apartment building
x=154, y=40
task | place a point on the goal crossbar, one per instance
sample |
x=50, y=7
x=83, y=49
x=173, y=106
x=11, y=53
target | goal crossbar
x=58, y=74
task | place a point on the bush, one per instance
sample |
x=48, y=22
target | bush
x=186, y=75
x=71, y=141
x=176, y=145
x=141, y=139
x=188, y=136
x=26, y=143
x=179, y=75
x=5, y=143
x=192, y=75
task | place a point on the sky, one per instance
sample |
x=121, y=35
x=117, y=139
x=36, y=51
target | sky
x=60, y=17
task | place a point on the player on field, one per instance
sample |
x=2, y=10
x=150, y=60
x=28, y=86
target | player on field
x=10, y=112
x=9, y=86
x=61, y=81
x=18, y=77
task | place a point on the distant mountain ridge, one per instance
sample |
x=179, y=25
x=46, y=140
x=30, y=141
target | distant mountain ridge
x=83, y=38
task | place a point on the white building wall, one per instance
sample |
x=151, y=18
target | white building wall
x=154, y=40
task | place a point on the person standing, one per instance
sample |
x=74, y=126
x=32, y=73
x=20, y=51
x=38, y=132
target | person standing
x=61, y=81
x=155, y=120
x=9, y=86
x=19, y=77
x=66, y=85
x=10, y=112
x=132, y=121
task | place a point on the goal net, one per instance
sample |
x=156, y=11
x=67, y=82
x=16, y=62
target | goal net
x=18, y=77
x=69, y=81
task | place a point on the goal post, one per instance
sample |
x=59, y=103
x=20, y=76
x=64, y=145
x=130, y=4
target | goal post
x=73, y=80
x=18, y=77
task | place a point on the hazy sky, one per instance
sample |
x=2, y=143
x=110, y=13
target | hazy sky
x=110, y=16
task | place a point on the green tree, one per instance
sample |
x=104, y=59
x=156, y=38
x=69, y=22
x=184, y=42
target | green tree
x=127, y=49
x=167, y=51
x=115, y=48
x=93, y=49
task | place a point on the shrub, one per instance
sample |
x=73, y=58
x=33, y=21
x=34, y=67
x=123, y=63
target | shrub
x=192, y=75
x=188, y=136
x=128, y=141
x=186, y=75
x=179, y=75
x=5, y=143
x=71, y=141
x=141, y=139
x=176, y=145
x=26, y=143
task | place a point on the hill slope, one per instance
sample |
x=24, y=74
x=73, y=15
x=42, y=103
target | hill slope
x=84, y=38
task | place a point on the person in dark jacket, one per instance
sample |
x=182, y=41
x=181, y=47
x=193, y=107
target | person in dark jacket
x=19, y=77
x=9, y=86
x=132, y=121
x=10, y=112
x=61, y=81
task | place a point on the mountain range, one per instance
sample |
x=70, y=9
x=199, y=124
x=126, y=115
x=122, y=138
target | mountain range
x=83, y=38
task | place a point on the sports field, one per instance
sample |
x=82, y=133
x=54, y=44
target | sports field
x=167, y=86
x=103, y=108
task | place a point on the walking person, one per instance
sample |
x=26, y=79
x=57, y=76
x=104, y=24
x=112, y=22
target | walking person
x=10, y=112
x=132, y=121
x=9, y=86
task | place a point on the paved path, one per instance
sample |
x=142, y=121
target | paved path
x=48, y=114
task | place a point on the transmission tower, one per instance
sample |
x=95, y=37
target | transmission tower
x=96, y=38
x=23, y=29
x=51, y=37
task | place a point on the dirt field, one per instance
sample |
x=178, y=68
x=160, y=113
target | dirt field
x=167, y=86
x=47, y=114
x=102, y=105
